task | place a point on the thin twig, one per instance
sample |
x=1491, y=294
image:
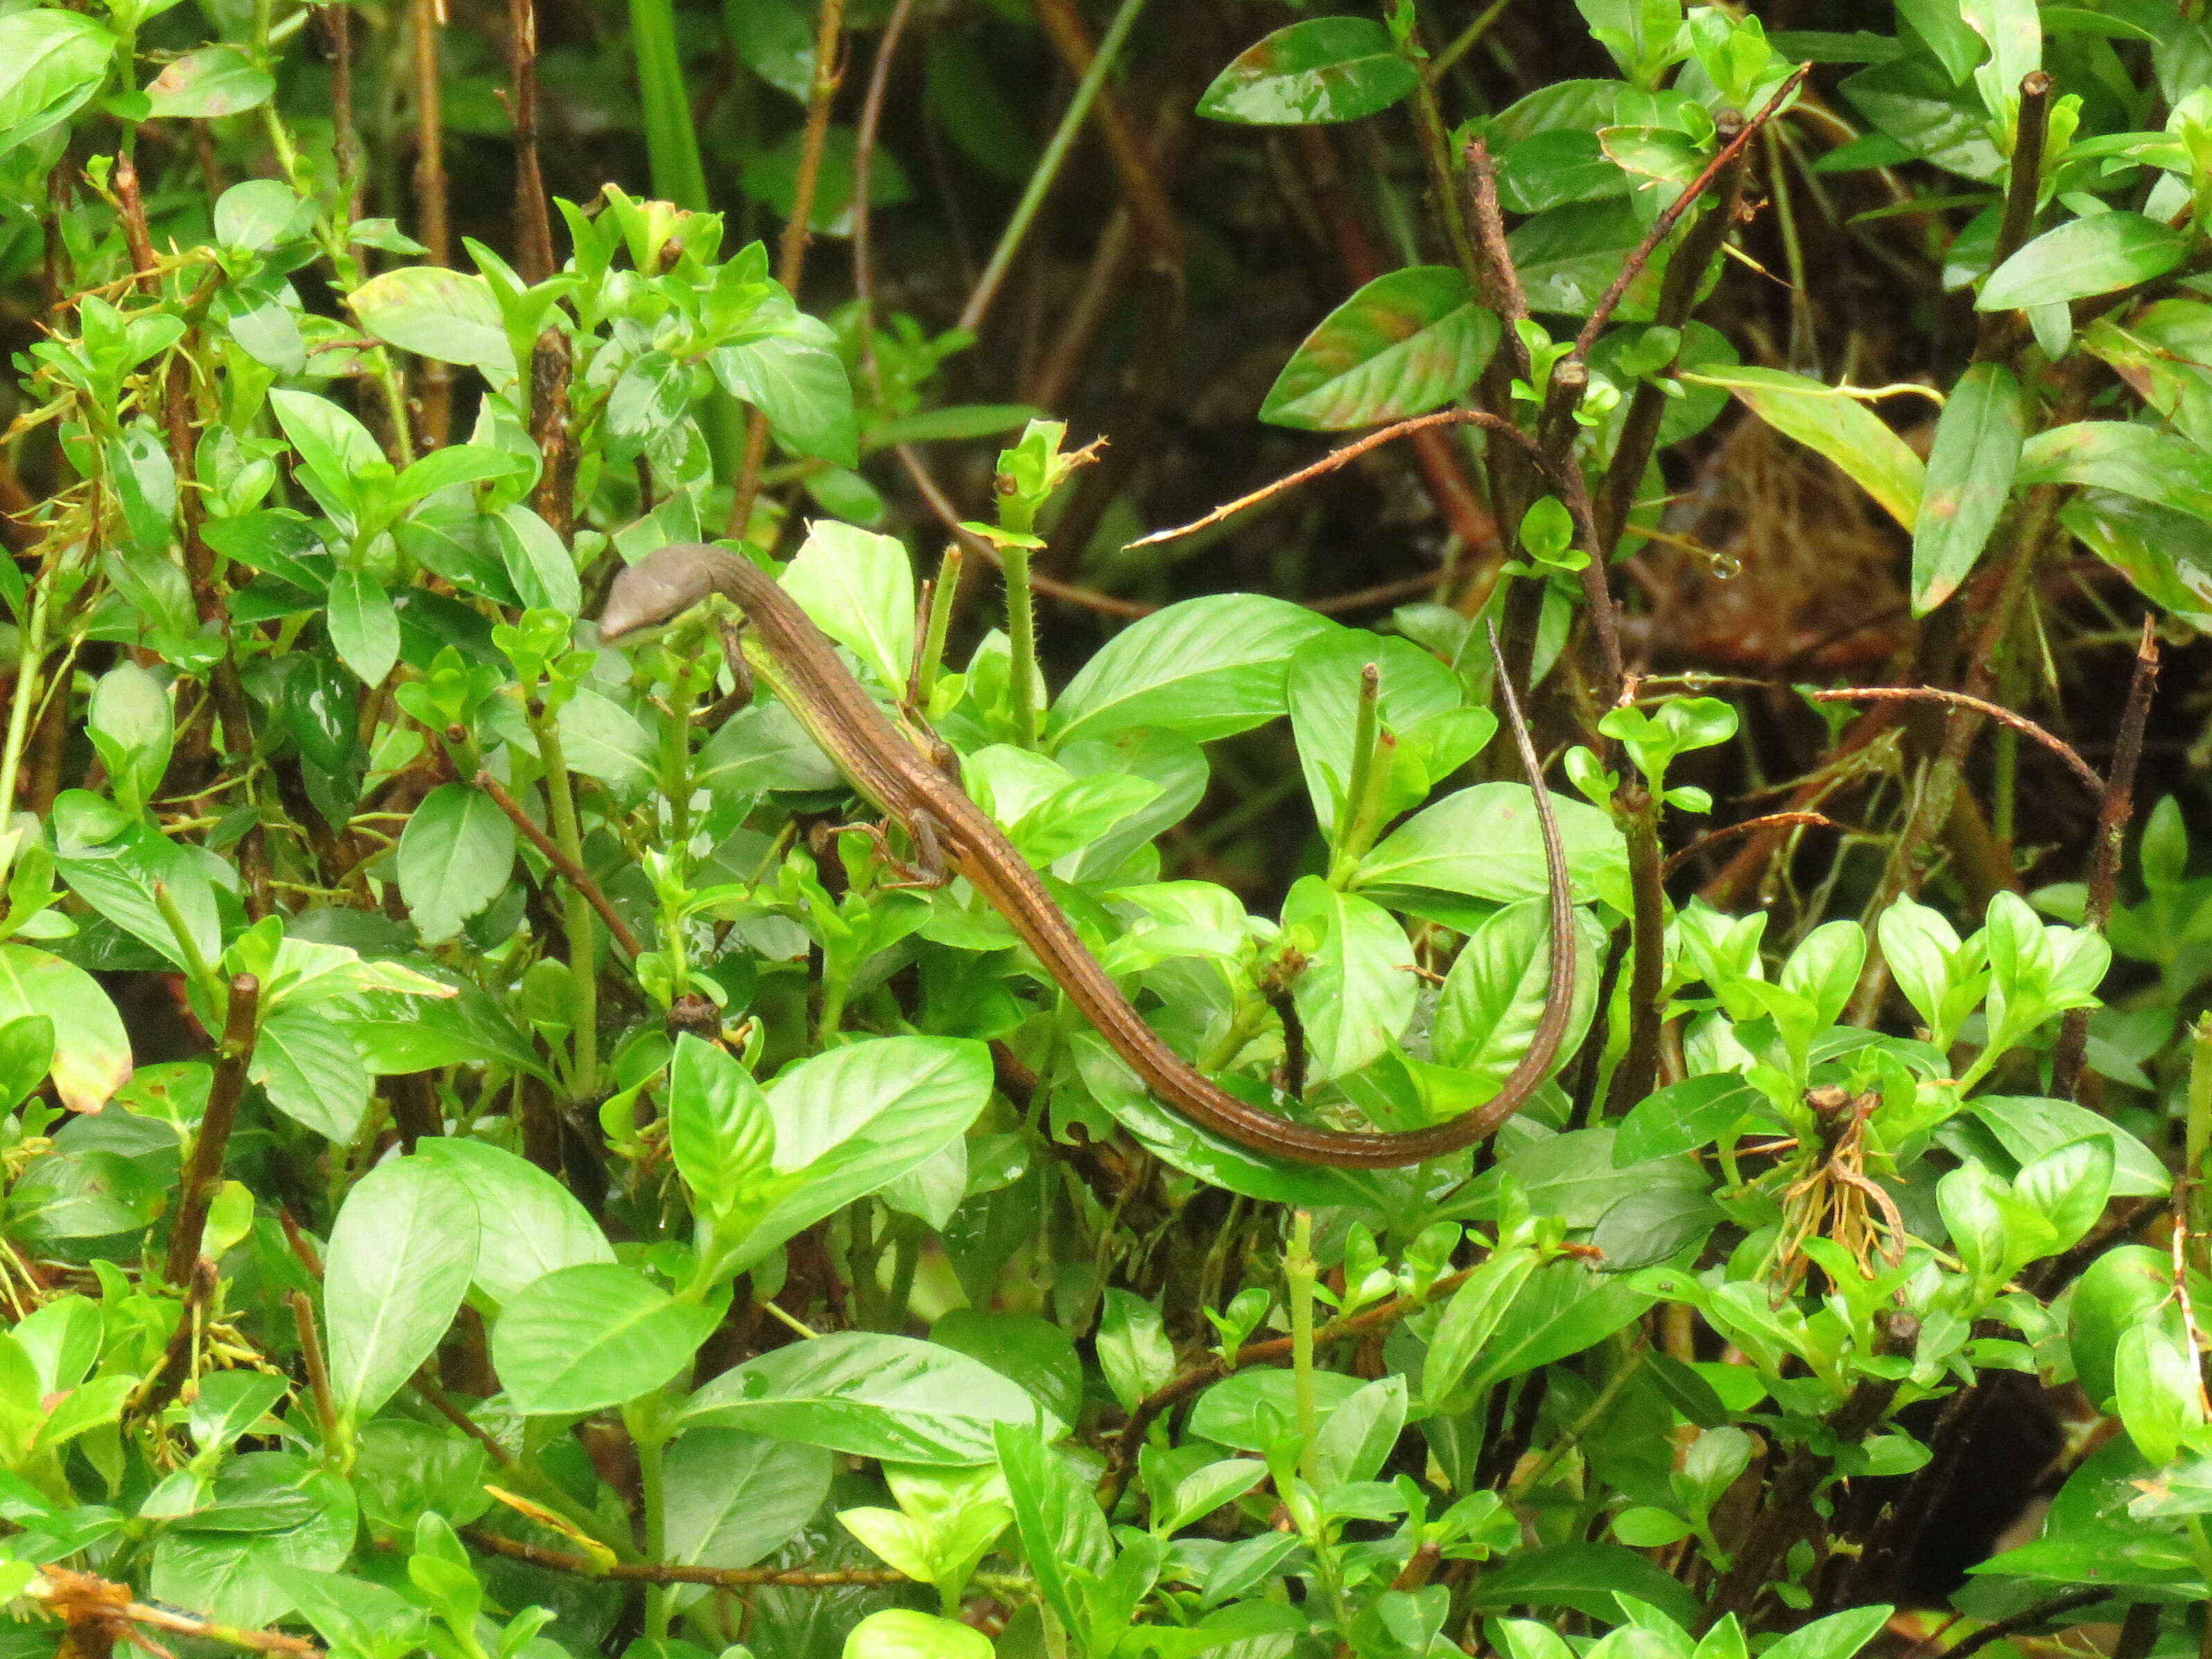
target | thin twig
x=798, y=230
x=933, y=494
x=1048, y=168
x=2026, y=1619
x=82, y=1598
x=203, y=1175
x=1338, y=458
x=654, y=1572
x=2112, y=816
x=574, y=873
x=311, y=1356
x=1995, y=336
x=1712, y=838
x=2003, y=716
x=864, y=156
x=1671, y=215
x=1132, y=159
x=433, y=225
x=1280, y=1351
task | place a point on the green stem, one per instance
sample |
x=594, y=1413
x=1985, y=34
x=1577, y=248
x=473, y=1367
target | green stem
x=672, y=148
x=30, y=656
x=1048, y=165
x=1363, y=732
x=939, y=624
x=197, y=968
x=2196, y=1209
x=652, y=1495
x=1299, y=1273
x=1021, y=635
x=577, y=921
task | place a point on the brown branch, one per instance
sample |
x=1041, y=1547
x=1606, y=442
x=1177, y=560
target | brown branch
x=2003, y=716
x=576, y=876
x=1647, y=975
x=203, y=1174
x=2112, y=816
x=533, y=229
x=319, y=1373
x=2026, y=1619
x=1994, y=337
x=1340, y=457
x=797, y=231
x=656, y=1572
x=83, y=1600
x=1501, y=276
x=1750, y=826
x=345, y=139
x=1671, y=215
x=1678, y=298
x=1280, y=1351
x=436, y=232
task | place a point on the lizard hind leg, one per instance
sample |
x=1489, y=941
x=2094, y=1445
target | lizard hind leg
x=926, y=870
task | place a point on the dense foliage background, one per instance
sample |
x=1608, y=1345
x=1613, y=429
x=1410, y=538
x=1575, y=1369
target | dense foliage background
x=491, y=1170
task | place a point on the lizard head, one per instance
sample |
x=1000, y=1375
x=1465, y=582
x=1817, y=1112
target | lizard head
x=656, y=589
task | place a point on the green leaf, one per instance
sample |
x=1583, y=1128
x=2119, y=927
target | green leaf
x=731, y=1498
x=719, y=1132
x=2135, y=460
x=1840, y=1636
x=213, y=81
x=312, y=1073
x=1356, y=991
x=902, y=1633
x=2156, y=1384
x=51, y=61
x=1562, y=1309
x=1684, y=1116
x=129, y=722
x=456, y=856
x=542, y=1228
x=1251, y=1408
x=1913, y=101
x=1840, y=427
x=542, y=569
x=2091, y=255
x=1133, y=1347
x=444, y=315
x=852, y=1120
x=584, y=1338
x=1324, y=69
x=859, y=588
x=871, y=1395
x=1484, y=842
x=92, y=1052
x=2030, y=1126
x=1493, y=998
x=2165, y=554
x=363, y=626
x=1323, y=692
x=1969, y=474
x=1033, y=1351
x=1061, y=1526
x=258, y=213
x=1360, y=1434
x=1471, y=1318
x=1569, y=256
x=400, y=1256
x=1206, y=668
x=338, y=452
x=1586, y=1577
x=1405, y=344
x=796, y=379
